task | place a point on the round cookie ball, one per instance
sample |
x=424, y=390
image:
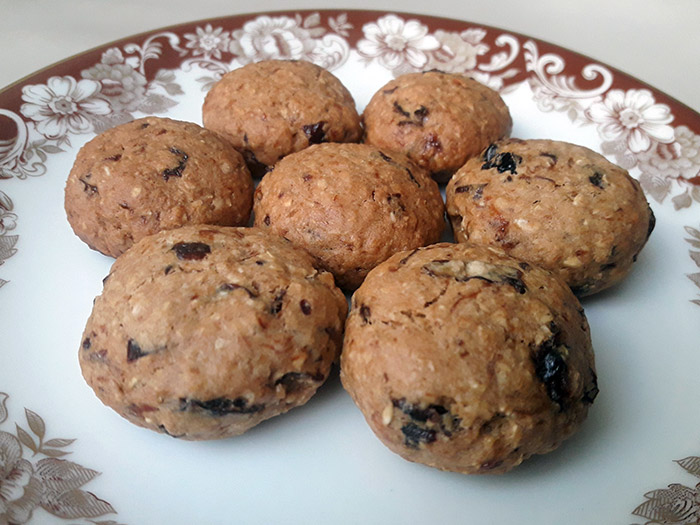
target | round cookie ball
x=154, y=174
x=205, y=331
x=559, y=205
x=351, y=206
x=272, y=108
x=439, y=120
x=467, y=360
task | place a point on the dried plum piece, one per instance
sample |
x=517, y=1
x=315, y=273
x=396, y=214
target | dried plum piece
x=597, y=180
x=295, y=381
x=400, y=110
x=221, y=406
x=278, y=302
x=257, y=168
x=88, y=188
x=229, y=287
x=490, y=152
x=134, y=351
x=652, y=222
x=305, y=307
x=414, y=435
x=434, y=417
x=182, y=164
x=592, y=390
x=412, y=177
x=477, y=190
x=503, y=162
x=315, y=132
x=388, y=159
x=365, y=314
x=552, y=369
x=394, y=202
x=463, y=271
x=86, y=344
x=405, y=259
x=551, y=156
x=191, y=251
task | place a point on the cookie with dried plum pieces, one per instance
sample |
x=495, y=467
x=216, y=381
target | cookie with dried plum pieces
x=559, y=205
x=350, y=205
x=465, y=359
x=272, y=108
x=203, y=332
x=439, y=120
x=154, y=174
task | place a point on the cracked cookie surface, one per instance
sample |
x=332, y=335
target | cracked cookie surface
x=350, y=205
x=559, y=205
x=468, y=360
x=272, y=108
x=439, y=120
x=154, y=174
x=203, y=332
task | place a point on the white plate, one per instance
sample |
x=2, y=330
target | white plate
x=65, y=458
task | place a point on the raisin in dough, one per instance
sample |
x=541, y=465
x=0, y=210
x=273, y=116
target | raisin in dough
x=154, y=174
x=350, y=205
x=465, y=359
x=559, y=205
x=272, y=108
x=203, y=332
x=439, y=120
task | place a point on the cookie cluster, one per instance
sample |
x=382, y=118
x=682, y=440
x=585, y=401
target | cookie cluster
x=469, y=356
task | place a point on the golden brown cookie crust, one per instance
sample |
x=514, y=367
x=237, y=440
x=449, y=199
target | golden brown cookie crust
x=350, y=205
x=439, y=120
x=204, y=331
x=154, y=174
x=559, y=205
x=467, y=360
x=272, y=108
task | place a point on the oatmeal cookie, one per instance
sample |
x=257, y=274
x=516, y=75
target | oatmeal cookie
x=439, y=120
x=154, y=174
x=559, y=205
x=350, y=205
x=467, y=360
x=203, y=332
x=272, y=108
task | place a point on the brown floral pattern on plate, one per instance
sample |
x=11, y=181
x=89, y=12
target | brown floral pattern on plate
x=30, y=482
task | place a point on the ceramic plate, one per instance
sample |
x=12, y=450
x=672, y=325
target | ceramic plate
x=65, y=458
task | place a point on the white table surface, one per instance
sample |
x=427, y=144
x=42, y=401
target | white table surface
x=656, y=41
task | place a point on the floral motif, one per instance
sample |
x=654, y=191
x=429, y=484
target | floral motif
x=50, y=484
x=458, y=52
x=272, y=38
x=63, y=105
x=694, y=241
x=395, y=43
x=121, y=85
x=20, y=489
x=632, y=116
x=676, y=504
x=664, y=164
x=208, y=42
x=8, y=220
